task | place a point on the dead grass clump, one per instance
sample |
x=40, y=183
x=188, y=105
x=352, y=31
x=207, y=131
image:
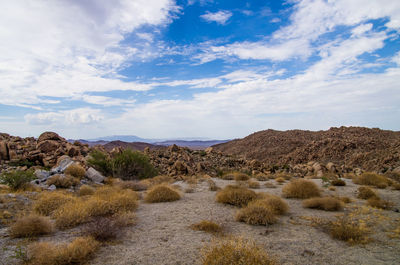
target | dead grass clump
x=235, y=251
x=275, y=203
x=76, y=171
x=338, y=182
x=133, y=185
x=269, y=185
x=261, y=177
x=207, y=226
x=345, y=199
x=396, y=186
x=161, y=179
x=191, y=188
x=349, y=175
x=103, y=228
x=162, y=193
x=31, y=225
x=280, y=180
x=379, y=203
x=86, y=190
x=212, y=185
x=348, y=230
x=301, y=189
x=48, y=202
x=235, y=195
x=228, y=176
x=76, y=252
x=253, y=184
x=324, y=203
x=366, y=193
x=371, y=179
x=61, y=181
x=241, y=176
x=256, y=214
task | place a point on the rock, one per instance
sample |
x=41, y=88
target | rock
x=49, y=136
x=180, y=167
x=316, y=167
x=47, y=146
x=396, y=170
x=94, y=175
x=73, y=151
x=35, y=182
x=62, y=165
x=320, y=173
x=173, y=148
x=208, y=150
x=52, y=188
x=3, y=150
x=331, y=167
x=42, y=174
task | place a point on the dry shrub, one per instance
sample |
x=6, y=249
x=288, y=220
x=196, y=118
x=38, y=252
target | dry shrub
x=133, y=185
x=366, y=193
x=191, y=180
x=157, y=180
x=253, y=184
x=338, y=182
x=103, y=228
x=332, y=188
x=324, y=203
x=238, y=176
x=76, y=252
x=191, y=188
x=76, y=171
x=285, y=176
x=349, y=175
x=235, y=195
x=345, y=199
x=228, y=176
x=275, y=203
x=31, y=225
x=280, y=180
x=61, y=181
x=235, y=251
x=371, y=179
x=162, y=193
x=256, y=214
x=301, y=189
x=348, y=230
x=261, y=177
x=379, y=203
x=207, y=226
x=212, y=185
x=85, y=190
x=396, y=186
x=48, y=202
x=269, y=185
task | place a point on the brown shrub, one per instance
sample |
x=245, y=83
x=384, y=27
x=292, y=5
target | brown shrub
x=191, y=188
x=365, y=193
x=162, y=193
x=133, y=185
x=103, y=228
x=349, y=175
x=338, y=182
x=256, y=214
x=85, y=190
x=212, y=185
x=275, y=203
x=396, y=186
x=301, y=189
x=48, y=202
x=331, y=188
x=157, y=180
x=235, y=251
x=31, y=225
x=261, y=177
x=379, y=203
x=228, y=176
x=75, y=170
x=76, y=252
x=207, y=226
x=345, y=199
x=269, y=185
x=371, y=179
x=348, y=230
x=62, y=181
x=324, y=203
x=238, y=176
x=253, y=184
x=280, y=180
x=235, y=195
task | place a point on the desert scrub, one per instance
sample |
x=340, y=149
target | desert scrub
x=235, y=251
x=76, y=252
x=212, y=185
x=275, y=203
x=162, y=193
x=351, y=231
x=103, y=228
x=101, y=162
x=31, y=225
x=63, y=181
x=338, y=182
x=366, y=193
x=371, y=179
x=207, y=226
x=379, y=203
x=48, y=202
x=131, y=165
x=235, y=195
x=324, y=203
x=17, y=179
x=301, y=189
x=280, y=180
x=256, y=214
x=261, y=177
x=75, y=170
x=227, y=176
x=238, y=176
x=133, y=185
x=161, y=179
x=85, y=190
x=253, y=184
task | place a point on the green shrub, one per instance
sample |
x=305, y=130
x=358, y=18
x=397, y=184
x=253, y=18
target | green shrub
x=17, y=179
x=130, y=165
x=101, y=162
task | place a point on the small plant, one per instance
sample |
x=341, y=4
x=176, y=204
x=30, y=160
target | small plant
x=238, y=176
x=261, y=177
x=17, y=179
x=212, y=185
x=253, y=184
x=280, y=180
x=324, y=203
x=371, y=179
x=48, y=202
x=162, y=193
x=349, y=230
x=30, y=226
x=61, y=181
x=86, y=190
x=75, y=170
x=101, y=162
x=103, y=228
x=235, y=195
x=256, y=214
x=133, y=185
x=207, y=226
x=379, y=203
x=325, y=181
x=132, y=165
x=338, y=182
x=275, y=203
x=235, y=251
x=366, y=193
x=301, y=189
x=227, y=176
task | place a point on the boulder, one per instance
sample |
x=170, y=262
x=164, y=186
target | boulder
x=331, y=167
x=47, y=146
x=208, y=150
x=94, y=175
x=49, y=136
x=3, y=150
x=316, y=167
x=52, y=188
x=42, y=174
x=63, y=164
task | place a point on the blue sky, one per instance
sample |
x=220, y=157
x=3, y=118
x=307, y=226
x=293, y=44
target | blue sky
x=197, y=68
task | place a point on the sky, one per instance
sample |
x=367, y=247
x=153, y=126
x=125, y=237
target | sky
x=197, y=68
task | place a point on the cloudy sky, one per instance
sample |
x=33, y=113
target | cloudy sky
x=197, y=68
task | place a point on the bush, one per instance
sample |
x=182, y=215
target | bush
x=207, y=226
x=228, y=176
x=371, y=179
x=131, y=165
x=61, y=181
x=261, y=177
x=235, y=195
x=48, y=202
x=338, y=182
x=256, y=214
x=31, y=225
x=325, y=203
x=301, y=189
x=85, y=190
x=365, y=193
x=17, y=179
x=212, y=185
x=275, y=203
x=235, y=251
x=103, y=228
x=280, y=180
x=253, y=184
x=347, y=230
x=76, y=252
x=76, y=171
x=101, y=162
x=241, y=176
x=162, y=193
x=133, y=185
x=379, y=203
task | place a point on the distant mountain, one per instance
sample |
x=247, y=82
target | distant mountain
x=123, y=138
x=140, y=146
x=196, y=144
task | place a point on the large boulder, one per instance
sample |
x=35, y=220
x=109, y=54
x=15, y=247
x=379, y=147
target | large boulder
x=94, y=175
x=48, y=146
x=62, y=164
x=49, y=136
x=3, y=150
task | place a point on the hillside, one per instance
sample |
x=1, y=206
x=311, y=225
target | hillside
x=371, y=149
x=139, y=146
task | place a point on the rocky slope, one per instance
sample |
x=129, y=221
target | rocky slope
x=370, y=149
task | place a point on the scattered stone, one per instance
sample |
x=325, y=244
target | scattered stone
x=94, y=175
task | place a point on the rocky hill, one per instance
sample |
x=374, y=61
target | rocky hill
x=370, y=149
x=139, y=146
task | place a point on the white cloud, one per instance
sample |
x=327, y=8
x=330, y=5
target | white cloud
x=220, y=17
x=68, y=117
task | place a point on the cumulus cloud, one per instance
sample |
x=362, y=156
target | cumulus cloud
x=68, y=117
x=220, y=17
